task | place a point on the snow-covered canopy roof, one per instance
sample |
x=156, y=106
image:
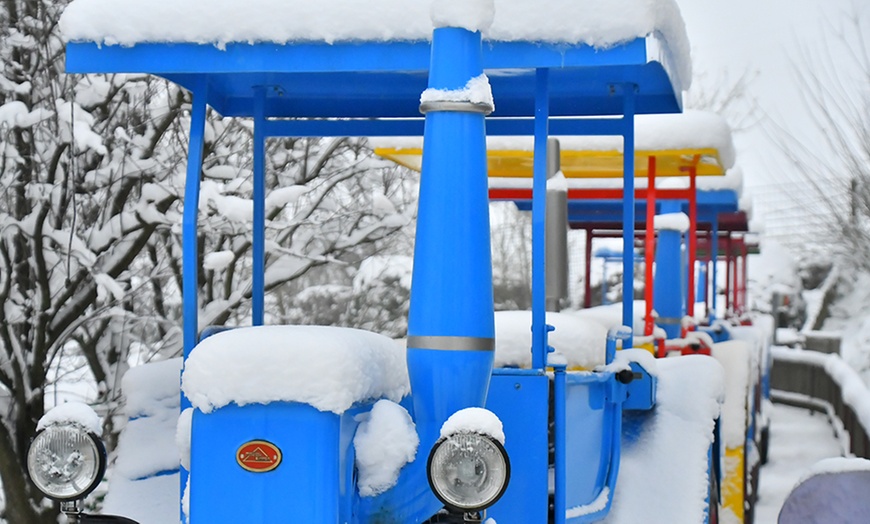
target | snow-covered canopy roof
x=606, y=214
x=592, y=168
x=698, y=139
x=345, y=58
x=598, y=23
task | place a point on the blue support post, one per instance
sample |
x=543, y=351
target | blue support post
x=539, y=215
x=615, y=335
x=451, y=325
x=190, y=259
x=685, y=293
x=560, y=481
x=701, y=289
x=258, y=246
x=669, y=285
x=628, y=207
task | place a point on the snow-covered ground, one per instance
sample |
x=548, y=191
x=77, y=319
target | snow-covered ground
x=798, y=439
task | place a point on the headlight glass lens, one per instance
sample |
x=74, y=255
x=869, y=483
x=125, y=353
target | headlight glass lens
x=66, y=462
x=468, y=471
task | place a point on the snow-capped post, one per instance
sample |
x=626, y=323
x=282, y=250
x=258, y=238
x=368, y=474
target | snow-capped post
x=669, y=289
x=451, y=319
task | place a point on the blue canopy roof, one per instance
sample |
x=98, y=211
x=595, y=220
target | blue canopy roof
x=594, y=213
x=385, y=79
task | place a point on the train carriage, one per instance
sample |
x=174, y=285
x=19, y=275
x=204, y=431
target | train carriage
x=293, y=441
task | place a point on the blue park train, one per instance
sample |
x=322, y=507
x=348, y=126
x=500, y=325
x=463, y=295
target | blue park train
x=569, y=434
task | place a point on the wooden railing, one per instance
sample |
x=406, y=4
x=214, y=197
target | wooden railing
x=823, y=382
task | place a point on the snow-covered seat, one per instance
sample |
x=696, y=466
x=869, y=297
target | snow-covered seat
x=580, y=340
x=329, y=368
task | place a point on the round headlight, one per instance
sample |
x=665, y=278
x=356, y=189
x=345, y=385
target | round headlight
x=468, y=471
x=66, y=462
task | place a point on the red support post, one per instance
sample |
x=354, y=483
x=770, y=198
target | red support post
x=707, y=274
x=693, y=240
x=587, y=283
x=743, y=301
x=736, y=287
x=649, y=249
x=728, y=272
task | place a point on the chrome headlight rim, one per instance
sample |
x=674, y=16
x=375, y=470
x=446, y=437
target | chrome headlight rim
x=99, y=449
x=469, y=508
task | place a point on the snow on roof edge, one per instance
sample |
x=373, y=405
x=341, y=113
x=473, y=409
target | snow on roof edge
x=598, y=23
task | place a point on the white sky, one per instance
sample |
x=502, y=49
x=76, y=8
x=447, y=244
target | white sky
x=760, y=37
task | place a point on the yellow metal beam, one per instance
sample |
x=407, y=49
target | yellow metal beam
x=582, y=164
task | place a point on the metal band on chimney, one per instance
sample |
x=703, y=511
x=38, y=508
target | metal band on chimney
x=452, y=343
x=456, y=106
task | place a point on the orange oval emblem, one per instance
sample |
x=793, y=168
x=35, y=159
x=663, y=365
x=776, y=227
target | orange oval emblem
x=258, y=456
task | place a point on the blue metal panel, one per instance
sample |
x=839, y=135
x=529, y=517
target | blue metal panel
x=641, y=391
x=239, y=59
x=318, y=57
x=601, y=388
x=520, y=402
x=325, y=128
x=717, y=331
x=584, y=126
x=316, y=468
x=414, y=127
x=586, y=454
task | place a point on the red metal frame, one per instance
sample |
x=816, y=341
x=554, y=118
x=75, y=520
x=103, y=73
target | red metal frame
x=650, y=248
x=693, y=237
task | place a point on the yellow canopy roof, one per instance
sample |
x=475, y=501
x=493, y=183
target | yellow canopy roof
x=582, y=164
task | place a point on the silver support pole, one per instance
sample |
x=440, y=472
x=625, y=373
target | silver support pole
x=557, y=231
